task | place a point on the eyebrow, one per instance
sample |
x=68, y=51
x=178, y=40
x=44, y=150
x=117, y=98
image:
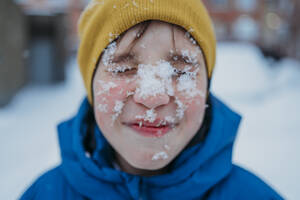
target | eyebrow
x=122, y=56
x=170, y=58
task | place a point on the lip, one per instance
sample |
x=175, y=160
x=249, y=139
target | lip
x=147, y=129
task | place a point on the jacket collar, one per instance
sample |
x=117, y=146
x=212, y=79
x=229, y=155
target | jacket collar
x=202, y=165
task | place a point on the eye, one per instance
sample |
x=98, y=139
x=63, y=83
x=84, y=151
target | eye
x=124, y=58
x=128, y=71
x=179, y=72
x=123, y=70
x=187, y=71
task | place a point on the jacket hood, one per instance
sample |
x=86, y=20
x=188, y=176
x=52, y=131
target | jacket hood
x=200, y=167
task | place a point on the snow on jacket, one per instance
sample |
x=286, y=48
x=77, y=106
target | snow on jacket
x=203, y=171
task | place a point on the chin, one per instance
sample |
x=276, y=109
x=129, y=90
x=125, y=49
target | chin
x=145, y=162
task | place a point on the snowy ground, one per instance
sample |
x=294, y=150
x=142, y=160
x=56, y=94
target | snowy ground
x=268, y=96
x=265, y=93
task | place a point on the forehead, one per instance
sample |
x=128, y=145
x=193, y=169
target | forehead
x=155, y=36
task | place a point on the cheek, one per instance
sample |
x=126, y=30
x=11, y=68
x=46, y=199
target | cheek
x=194, y=106
x=106, y=100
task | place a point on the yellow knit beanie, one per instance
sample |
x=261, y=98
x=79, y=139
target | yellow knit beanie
x=102, y=21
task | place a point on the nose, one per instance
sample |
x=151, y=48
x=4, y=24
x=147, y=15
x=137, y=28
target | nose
x=152, y=101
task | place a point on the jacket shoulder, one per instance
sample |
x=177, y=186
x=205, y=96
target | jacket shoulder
x=50, y=185
x=242, y=184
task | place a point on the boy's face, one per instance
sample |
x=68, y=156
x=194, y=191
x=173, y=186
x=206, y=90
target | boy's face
x=150, y=94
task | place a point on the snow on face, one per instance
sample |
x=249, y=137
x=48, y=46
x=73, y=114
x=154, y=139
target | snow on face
x=108, y=54
x=105, y=87
x=150, y=116
x=117, y=109
x=102, y=108
x=187, y=84
x=170, y=119
x=191, y=57
x=150, y=85
x=180, y=108
x=188, y=35
x=153, y=80
x=119, y=69
x=160, y=156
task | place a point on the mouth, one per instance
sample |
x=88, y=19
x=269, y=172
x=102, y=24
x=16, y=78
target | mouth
x=147, y=129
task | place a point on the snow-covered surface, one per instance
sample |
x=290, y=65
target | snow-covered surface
x=28, y=139
x=266, y=94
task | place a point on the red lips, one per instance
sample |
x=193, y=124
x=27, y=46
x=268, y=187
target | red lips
x=148, y=129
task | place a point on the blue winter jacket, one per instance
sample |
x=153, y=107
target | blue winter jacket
x=203, y=171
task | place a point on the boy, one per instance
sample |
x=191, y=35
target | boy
x=149, y=128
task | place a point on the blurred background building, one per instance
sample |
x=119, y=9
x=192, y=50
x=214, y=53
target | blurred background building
x=40, y=35
x=12, y=40
x=34, y=45
x=270, y=24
